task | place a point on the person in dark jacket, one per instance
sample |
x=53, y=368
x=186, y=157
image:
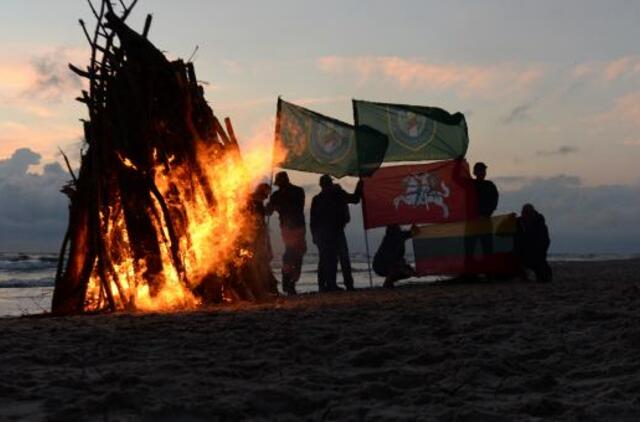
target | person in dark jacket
x=288, y=201
x=329, y=216
x=486, y=191
x=486, y=195
x=389, y=260
x=532, y=242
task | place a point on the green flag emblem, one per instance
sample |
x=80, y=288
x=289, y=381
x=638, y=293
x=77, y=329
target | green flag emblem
x=415, y=133
x=319, y=144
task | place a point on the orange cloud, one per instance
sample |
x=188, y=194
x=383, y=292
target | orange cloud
x=608, y=71
x=627, y=107
x=620, y=67
x=625, y=114
x=15, y=78
x=43, y=138
x=414, y=73
x=31, y=83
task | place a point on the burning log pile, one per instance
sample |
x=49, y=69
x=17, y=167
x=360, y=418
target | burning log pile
x=158, y=212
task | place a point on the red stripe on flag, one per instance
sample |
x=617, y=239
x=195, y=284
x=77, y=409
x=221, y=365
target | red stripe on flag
x=500, y=263
x=413, y=194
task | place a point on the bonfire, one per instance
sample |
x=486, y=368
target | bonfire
x=158, y=214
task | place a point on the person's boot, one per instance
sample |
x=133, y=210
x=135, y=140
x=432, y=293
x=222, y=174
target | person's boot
x=348, y=284
x=288, y=286
x=388, y=283
x=334, y=288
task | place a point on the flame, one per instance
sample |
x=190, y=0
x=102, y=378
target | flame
x=213, y=244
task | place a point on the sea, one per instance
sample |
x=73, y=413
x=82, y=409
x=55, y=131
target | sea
x=27, y=279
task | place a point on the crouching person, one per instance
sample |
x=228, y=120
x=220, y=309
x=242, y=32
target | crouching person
x=389, y=261
x=533, y=242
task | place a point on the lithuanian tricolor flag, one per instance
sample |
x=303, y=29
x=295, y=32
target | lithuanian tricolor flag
x=482, y=246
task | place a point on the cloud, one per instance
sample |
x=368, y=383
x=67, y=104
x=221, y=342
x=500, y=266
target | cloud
x=625, y=110
x=34, y=213
x=563, y=150
x=466, y=79
x=52, y=77
x=621, y=66
x=519, y=113
x=43, y=76
x=582, y=219
x=45, y=136
x=607, y=71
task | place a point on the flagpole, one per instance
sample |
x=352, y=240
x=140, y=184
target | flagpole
x=275, y=137
x=364, y=227
x=366, y=243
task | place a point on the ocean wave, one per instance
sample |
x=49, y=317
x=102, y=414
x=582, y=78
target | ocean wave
x=22, y=262
x=28, y=283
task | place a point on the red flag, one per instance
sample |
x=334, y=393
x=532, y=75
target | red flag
x=424, y=193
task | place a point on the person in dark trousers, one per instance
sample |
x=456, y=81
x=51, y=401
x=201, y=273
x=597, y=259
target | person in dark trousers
x=389, y=260
x=532, y=243
x=288, y=201
x=329, y=216
x=486, y=195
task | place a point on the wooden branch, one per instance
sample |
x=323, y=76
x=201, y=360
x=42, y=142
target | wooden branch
x=80, y=72
x=125, y=15
x=84, y=29
x=147, y=25
x=232, y=135
x=66, y=160
x=93, y=10
x=220, y=131
x=63, y=250
x=175, y=246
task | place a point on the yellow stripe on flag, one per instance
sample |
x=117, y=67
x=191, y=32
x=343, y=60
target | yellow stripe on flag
x=500, y=224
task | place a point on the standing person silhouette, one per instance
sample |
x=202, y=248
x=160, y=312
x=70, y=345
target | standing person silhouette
x=487, y=202
x=288, y=201
x=329, y=216
x=486, y=191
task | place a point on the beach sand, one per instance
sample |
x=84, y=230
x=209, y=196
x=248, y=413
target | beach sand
x=499, y=351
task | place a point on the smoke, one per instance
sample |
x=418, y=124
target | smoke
x=52, y=78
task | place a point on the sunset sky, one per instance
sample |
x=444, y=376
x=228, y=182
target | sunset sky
x=550, y=89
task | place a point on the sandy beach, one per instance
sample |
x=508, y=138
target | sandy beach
x=449, y=351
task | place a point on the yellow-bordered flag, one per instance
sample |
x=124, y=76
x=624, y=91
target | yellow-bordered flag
x=316, y=143
x=415, y=132
x=481, y=246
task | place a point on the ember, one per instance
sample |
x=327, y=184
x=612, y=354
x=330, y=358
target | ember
x=158, y=217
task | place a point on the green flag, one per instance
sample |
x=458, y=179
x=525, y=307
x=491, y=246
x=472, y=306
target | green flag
x=319, y=144
x=415, y=132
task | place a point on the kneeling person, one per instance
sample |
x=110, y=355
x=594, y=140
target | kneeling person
x=389, y=260
x=533, y=242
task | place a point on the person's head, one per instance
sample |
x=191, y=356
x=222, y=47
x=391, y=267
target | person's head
x=480, y=170
x=528, y=211
x=326, y=182
x=282, y=179
x=262, y=191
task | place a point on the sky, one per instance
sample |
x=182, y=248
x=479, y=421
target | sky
x=550, y=90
